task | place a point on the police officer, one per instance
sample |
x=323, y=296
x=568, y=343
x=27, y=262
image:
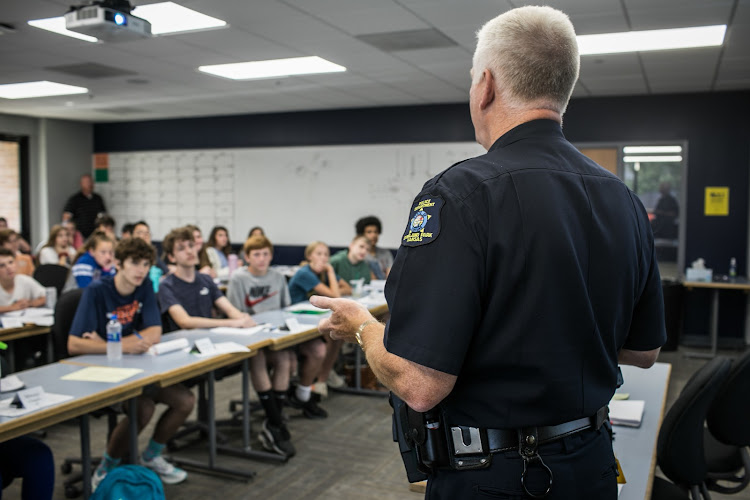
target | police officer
x=524, y=276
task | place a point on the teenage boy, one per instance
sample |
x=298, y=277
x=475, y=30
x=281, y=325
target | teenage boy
x=24, y=263
x=259, y=288
x=143, y=231
x=106, y=224
x=130, y=296
x=350, y=264
x=17, y=291
x=380, y=259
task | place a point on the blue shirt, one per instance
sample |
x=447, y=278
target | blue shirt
x=197, y=298
x=303, y=282
x=136, y=311
x=86, y=270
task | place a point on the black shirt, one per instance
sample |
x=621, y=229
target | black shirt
x=524, y=272
x=85, y=211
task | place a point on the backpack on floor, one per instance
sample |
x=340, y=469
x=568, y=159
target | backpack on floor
x=128, y=482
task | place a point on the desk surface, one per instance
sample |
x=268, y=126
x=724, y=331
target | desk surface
x=734, y=284
x=636, y=447
x=23, y=332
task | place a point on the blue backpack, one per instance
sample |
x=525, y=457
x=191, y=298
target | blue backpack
x=130, y=482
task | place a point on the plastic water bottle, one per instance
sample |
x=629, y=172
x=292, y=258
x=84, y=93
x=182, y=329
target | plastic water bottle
x=232, y=263
x=732, y=267
x=114, y=339
x=51, y=294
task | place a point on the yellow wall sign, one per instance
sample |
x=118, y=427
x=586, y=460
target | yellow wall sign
x=717, y=201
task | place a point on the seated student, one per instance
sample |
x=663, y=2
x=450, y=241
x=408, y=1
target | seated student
x=350, y=264
x=159, y=269
x=380, y=259
x=76, y=238
x=30, y=460
x=106, y=224
x=24, y=262
x=94, y=261
x=255, y=231
x=23, y=245
x=131, y=297
x=317, y=277
x=254, y=289
x=57, y=250
x=17, y=291
x=204, y=265
x=218, y=250
x=127, y=230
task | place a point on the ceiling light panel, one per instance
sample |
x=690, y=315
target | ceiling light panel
x=38, y=89
x=273, y=68
x=57, y=25
x=642, y=41
x=169, y=17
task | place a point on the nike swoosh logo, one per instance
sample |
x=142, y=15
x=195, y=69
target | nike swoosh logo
x=251, y=303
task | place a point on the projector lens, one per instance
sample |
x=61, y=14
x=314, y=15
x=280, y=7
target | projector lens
x=119, y=19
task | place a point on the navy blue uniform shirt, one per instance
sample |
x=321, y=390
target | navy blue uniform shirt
x=524, y=271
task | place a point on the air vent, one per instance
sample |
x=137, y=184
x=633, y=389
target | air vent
x=122, y=110
x=87, y=13
x=408, y=40
x=91, y=70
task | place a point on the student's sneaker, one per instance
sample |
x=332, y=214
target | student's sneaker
x=335, y=380
x=310, y=408
x=320, y=388
x=167, y=472
x=276, y=439
x=99, y=474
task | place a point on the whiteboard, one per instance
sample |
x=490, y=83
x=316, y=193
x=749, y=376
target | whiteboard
x=297, y=194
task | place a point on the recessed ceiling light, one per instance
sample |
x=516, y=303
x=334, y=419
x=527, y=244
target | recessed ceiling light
x=57, y=25
x=651, y=149
x=652, y=159
x=38, y=89
x=641, y=41
x=169, y=17
x=273, y=68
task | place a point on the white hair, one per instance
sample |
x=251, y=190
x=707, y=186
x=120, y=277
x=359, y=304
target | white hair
x=532, y=53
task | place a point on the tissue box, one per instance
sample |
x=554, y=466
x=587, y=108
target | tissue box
x=698, y=274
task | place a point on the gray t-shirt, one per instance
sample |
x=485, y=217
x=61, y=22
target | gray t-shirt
x=255, y=294
x=383, y=260
x=24, y=287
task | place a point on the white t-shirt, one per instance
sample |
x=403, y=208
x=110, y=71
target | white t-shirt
x=48, y=255
x=24, y=287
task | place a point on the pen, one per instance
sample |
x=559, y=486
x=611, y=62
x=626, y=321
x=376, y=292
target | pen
x=137, y=334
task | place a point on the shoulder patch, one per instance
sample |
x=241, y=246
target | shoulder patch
x=424, y=221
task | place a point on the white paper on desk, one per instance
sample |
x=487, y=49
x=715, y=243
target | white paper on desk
x=37, y=311
x=168, y=346
x=11, y=322
x=628, y=413
x=10, y=383
x=49, y=399
x=373, y=299
x=240, y=331
x=102, y=374
x=224, y=348
x=40, y=320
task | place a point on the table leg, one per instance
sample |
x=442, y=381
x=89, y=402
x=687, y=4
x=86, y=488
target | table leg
x=133, y=429
x=83, y=423
x=714, y=332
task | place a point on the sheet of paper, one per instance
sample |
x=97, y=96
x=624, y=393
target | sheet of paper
x=49, y=399
x=168, y=346
x=102, y=374
x=38, y=311
x=626, y=412
x=241, y=331
x=12, y=322
x=41, y=320
x=224, y=348
x=306, y=308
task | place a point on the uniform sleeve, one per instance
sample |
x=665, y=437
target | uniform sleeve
x=434, y=289
x=86, y=314
x=166, y=296
x=150, y=313
x=235, y=294
x=647, y=328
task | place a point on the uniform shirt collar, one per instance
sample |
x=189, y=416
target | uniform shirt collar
x=534, y=128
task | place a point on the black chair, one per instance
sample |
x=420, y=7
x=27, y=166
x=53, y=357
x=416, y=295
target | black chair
x=679, y=449
x=728, y=433
x=65, y=311
x=52, y=275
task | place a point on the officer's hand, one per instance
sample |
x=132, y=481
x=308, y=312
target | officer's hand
x=346, y=318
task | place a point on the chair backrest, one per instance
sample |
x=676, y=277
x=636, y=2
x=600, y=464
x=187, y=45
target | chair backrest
x=52, y=275
x=729, y=413
x=679, y=449
x=65, y=311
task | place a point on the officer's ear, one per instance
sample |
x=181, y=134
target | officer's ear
x=488, y=89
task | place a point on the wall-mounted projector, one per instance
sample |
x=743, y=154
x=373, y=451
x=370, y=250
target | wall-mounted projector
x=109, y=21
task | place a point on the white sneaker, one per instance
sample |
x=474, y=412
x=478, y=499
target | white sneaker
x=335, y=380
x=167, y=472
x=320, y=388
x=99, y=474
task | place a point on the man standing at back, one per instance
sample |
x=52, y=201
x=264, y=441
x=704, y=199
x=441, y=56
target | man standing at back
x=524, y=276
x=84, y=207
